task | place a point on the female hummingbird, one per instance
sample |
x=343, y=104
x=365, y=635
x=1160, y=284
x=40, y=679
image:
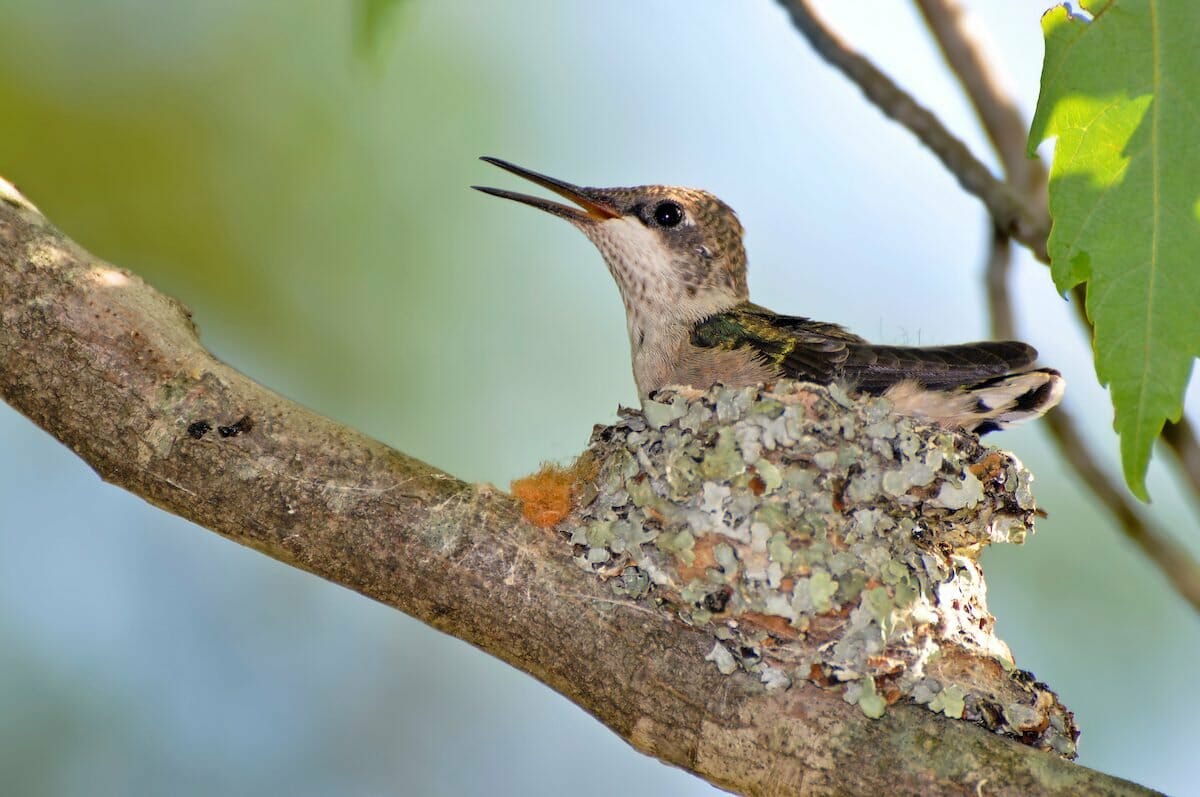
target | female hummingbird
x=678, y=260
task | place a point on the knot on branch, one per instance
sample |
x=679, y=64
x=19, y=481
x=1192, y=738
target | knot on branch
x=820, y=538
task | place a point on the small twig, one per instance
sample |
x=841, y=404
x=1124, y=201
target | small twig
x=1008, y=209
x=1180, y=437
x=1175, y=562
x=1006, y=128
x=999, y=298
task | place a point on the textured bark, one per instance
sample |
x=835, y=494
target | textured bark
x=114, y=370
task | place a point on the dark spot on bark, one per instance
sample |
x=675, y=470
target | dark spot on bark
x=838, y=494
x=715, y=602
x=990, y=712
x=198, y=429
x=242, y=425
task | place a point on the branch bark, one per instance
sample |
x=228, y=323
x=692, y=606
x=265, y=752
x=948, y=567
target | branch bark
x=114, y=370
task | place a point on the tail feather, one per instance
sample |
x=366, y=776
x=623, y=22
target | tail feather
x=981, y=407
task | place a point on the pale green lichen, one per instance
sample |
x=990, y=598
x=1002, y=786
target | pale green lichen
x=821, y=589
x=632, y=582
x=870, y=701
x=772, y=480
x=659, y=414
x=950, y=701
x=820, y=538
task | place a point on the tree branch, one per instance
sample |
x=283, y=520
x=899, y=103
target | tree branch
x=115, y=371
x=1171, y=558
x=1180, y=437
x=1007, y=208
x=997, y=110
x=999, y=297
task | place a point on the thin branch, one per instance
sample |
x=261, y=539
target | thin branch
x=115, y=371
x=1180, y=437
x=1175, y=562
x=1006, y=128
x=999, y=298
x=1002, y=120
x=1007, y=208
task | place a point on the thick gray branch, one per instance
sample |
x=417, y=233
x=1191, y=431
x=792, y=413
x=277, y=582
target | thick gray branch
x=114, y=370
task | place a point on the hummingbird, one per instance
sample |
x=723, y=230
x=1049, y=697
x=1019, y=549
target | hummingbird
x=678, y=260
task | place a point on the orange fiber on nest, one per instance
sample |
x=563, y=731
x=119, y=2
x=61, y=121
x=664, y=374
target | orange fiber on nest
x=549, y=495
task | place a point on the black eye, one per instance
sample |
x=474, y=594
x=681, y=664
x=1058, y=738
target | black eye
x=668, y=214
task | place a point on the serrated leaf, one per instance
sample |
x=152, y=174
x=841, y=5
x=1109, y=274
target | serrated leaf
x=1122, y=94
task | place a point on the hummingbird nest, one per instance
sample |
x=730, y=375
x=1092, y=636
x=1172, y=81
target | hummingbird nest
x=819, y=538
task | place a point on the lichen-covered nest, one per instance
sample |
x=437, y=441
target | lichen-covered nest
x=820, y=538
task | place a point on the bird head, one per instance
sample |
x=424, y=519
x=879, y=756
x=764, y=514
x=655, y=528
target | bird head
x=675, y=253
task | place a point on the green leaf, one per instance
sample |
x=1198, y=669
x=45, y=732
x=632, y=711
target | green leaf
x=1122, y=94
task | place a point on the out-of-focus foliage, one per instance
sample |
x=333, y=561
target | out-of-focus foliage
x=372, y=18
x=1121, y=91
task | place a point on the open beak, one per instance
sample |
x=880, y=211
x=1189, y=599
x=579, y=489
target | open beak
x=595, y=206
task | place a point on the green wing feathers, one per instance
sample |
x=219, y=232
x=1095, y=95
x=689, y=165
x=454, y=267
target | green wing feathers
x=800, y=348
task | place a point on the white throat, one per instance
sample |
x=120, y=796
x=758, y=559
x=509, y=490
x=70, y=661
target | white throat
x=639, y=261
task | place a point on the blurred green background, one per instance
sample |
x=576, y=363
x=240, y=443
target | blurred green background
x=299, y=179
